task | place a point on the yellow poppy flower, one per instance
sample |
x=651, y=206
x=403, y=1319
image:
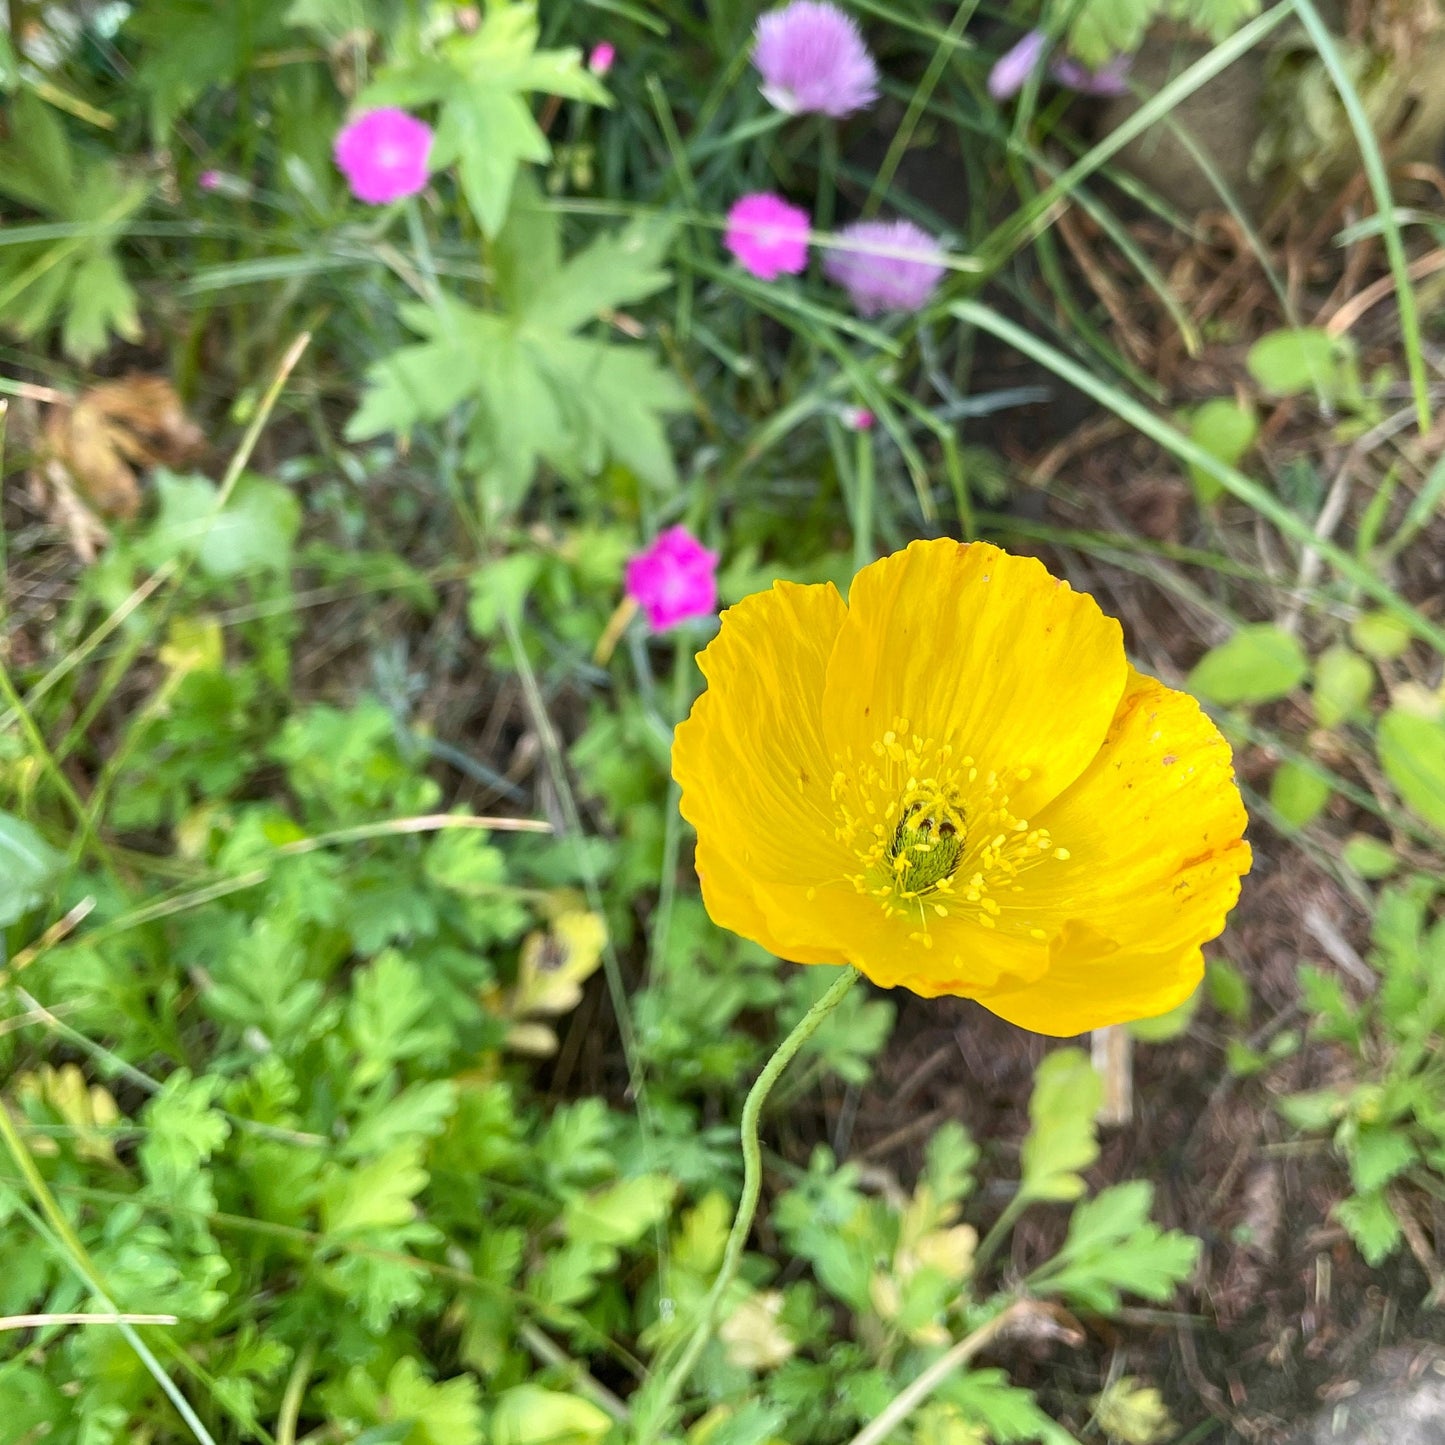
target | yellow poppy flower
x=957, y=783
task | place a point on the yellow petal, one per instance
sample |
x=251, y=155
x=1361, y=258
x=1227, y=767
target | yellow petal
x=754, y=772
x=1154, y=836
x=989, y=652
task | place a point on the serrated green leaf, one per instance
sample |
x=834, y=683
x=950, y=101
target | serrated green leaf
x=29, y=867
x=446, y=1412
x=183, y=1130
x=1259, y=663
x=1114, y=1248
x=622, y=1214
x=614, y=270
x=418, y=1112
x=1063, y=1138
x=1378, y=1153
x=530, y=1415
x=1371, y=1223
x=377, y=1195
x=479, y=81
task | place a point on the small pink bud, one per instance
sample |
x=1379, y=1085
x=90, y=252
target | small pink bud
x=600, y=61
x=858, y=418
x=674, y=579
x=209, y=180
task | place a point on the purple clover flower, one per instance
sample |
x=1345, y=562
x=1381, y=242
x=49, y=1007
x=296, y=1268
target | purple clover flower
x=1111, y=78
x=885, y=265
x=383, y=155
x=812, y=58
x=768, y=237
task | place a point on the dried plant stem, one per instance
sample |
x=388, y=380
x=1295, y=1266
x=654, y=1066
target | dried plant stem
x=653, y=1411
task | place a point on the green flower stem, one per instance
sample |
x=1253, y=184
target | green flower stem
x=653, y=1411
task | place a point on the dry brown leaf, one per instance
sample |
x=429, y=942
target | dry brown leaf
x=111, y=429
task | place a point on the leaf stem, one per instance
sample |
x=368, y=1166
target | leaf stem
x=653, y=1410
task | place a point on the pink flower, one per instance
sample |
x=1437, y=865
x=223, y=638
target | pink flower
x=601, y=58
x=209, y=180
x=1013, y=68
x=674, y=579
x=858, y=418
x=383, y=155
x=812, y=58
x=885, y=265
x=767, y=236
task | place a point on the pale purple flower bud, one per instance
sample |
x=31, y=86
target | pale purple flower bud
x=812, y=58
x=209, y=180
x=601, y=58
x=885, y=265
x=1012, y=69
x=1111, y=78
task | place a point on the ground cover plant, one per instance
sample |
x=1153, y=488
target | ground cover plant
x=395, y=1038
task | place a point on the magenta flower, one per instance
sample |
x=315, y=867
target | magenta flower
x=674, y=579
x=767, y=236
x=885, y=265
x=812, y=58
x=599, y=62
x=209, y=180
x=1012, y=69
x=383, y=155
x=858, y=418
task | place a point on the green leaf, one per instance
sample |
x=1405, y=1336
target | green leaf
x=1313, y=1111
x=1305, y=358
x=1258, y=664
x=29, y=867
x=1062, y=1140
x=530, y=1415
x=1114, y=1248
x=1371, y=1223
x=1228, y=989
x=1371, y=858
x=622, y=1214
x=75, y=280
x=1298, y=794
x=1226, y=429
x=419, y=1112
x=448, y=1412
x=1008, y=1412
x=1377, y=1154
x=190, y=46
x=183, y=1130
x=1342, y=686
x=1380, y=634
x=479, y=81
x=1161, y=1028
x=615, y=269
x=372, y=1196
x=253, y=532
x=1412, y=753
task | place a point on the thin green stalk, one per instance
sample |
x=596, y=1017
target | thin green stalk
x=863, y=479
x=672, y=822
x=1379, y=179
x=655, y=1403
